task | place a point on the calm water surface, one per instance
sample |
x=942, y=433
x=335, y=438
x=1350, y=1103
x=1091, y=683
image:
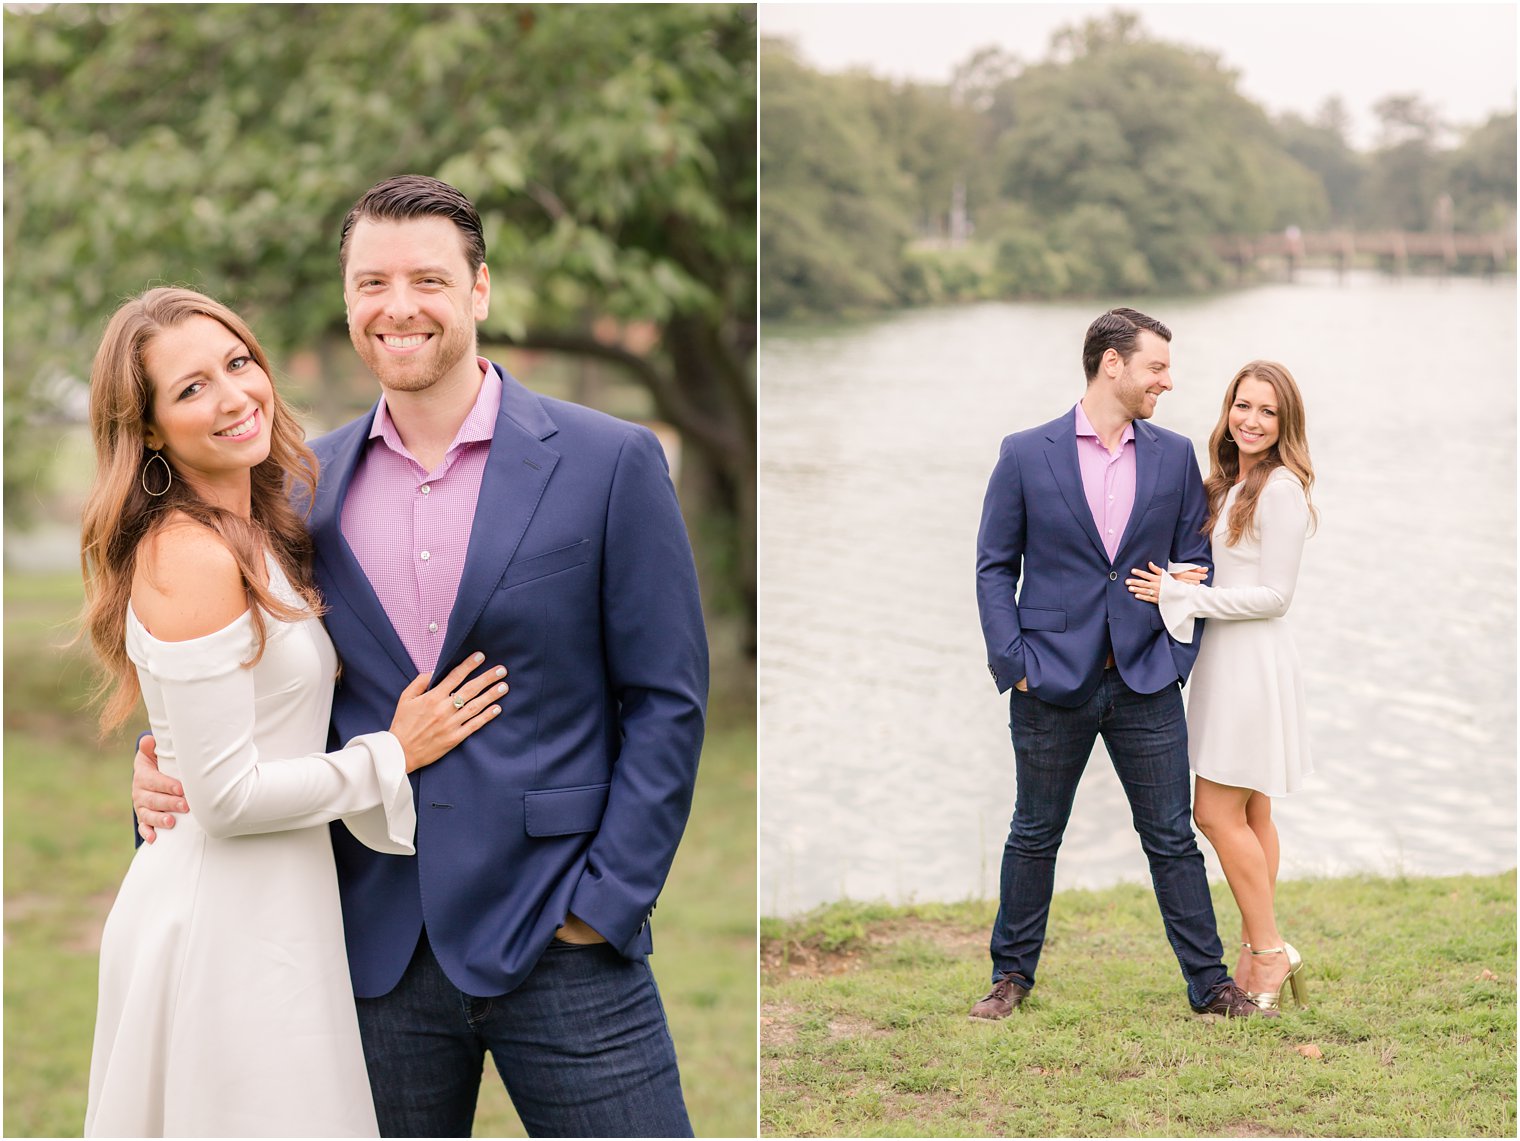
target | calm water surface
x=887, y=767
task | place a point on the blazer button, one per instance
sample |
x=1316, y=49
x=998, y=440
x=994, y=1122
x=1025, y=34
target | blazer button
x=1113, y=576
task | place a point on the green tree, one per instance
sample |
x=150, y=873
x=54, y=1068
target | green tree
x=836, y=213
x=1121, y=138
x=932, y=137
x=1483, y=176
x=1321, y=145
x=610, y=151
x=1407, y=172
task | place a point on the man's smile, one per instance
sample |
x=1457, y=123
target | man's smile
x=398, y=343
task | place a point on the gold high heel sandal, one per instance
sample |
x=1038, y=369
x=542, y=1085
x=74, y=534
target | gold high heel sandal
x=1272, y=999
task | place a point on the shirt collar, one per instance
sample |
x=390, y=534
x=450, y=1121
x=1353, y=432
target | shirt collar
x=1085, y=428
x=479, y=425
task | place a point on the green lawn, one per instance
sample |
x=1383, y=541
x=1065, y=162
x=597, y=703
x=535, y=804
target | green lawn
x=1411, y=1011
x=68, y=842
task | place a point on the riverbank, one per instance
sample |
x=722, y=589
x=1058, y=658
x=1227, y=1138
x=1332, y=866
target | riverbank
x=1410, y=1028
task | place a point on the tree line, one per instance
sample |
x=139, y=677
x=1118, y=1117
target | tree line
x=1108, y=167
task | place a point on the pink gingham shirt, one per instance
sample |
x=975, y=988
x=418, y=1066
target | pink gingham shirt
x=410, y=528
x=1108, y=479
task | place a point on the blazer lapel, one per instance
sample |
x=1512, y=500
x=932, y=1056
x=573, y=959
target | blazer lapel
x=517, y=472
x=347, y=584
x=1147, y=464
x=1061, y=453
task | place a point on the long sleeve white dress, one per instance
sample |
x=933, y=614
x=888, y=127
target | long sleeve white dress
x=1246, y=718
x=225, y=1006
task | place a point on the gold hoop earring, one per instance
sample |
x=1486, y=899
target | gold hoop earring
x=168, y=475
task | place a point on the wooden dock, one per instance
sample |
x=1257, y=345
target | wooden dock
x=1395, y=250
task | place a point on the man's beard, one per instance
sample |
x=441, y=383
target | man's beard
x=408, y=374
x=1136, y=401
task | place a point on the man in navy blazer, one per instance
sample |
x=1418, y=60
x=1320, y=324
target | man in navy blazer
x=1072, y=506
x=543, y=840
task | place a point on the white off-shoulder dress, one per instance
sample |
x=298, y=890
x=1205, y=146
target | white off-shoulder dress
x=225, y=1007
x=1246, y=718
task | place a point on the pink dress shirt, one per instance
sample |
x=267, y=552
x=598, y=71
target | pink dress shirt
x=410, y=528
x=1108, y=480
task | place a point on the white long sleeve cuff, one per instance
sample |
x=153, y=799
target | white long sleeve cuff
x=1282, y=522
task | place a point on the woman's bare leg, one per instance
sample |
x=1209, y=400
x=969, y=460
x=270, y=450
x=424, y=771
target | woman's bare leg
x=1259, y=820
x=1221, y=813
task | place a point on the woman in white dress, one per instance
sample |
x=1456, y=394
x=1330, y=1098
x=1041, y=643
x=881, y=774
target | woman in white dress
x=1247, y=729
x=225, y=1007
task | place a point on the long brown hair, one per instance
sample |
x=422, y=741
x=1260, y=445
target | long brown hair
x=1290, y=451
x=120, y=515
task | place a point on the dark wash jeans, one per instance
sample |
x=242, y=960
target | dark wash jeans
x=582, y=1047
x=1146, y=736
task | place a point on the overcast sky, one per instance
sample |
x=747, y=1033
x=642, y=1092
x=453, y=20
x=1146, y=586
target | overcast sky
x=1290, y=56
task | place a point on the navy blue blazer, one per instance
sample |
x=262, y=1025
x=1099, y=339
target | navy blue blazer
x=579, y=578
x=1072, y=604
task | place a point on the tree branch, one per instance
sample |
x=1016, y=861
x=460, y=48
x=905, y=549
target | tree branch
x=673, y=405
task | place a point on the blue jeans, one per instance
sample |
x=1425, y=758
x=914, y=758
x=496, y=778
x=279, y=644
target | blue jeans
x=582, y=1047
x=1146, y=736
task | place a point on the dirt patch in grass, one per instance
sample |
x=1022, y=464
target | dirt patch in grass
x=953, y=939
x=782, y=959
x=86, y=938
x=776, y=1028
x=73, y=728
x=18, y=910
x=790, y=959
x=921, y=1104
x=1255, y=1129
x=941, y=1107
x=853, y=1026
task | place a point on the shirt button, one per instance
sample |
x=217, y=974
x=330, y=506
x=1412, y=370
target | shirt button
x=426, y=488
x=432, y=627
x=426, y=556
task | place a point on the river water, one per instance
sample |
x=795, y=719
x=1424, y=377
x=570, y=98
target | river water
x=887, y=771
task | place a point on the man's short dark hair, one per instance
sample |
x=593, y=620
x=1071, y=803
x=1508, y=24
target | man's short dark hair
x=1118, y=329
x=409, y=196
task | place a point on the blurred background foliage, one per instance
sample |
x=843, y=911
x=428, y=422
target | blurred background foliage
x=609, y=149
x=1110, y=166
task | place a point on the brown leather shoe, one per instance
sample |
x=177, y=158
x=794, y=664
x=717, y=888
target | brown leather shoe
x=1232, y=1002
x=1000, y=1000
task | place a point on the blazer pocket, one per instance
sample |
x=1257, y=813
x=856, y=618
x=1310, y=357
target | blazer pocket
x=564, y=811
x=551, y=562
x=1052, y=620
x=1166, y=500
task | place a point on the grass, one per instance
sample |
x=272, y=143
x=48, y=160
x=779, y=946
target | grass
x=68, y=841
x=1412, y=1011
